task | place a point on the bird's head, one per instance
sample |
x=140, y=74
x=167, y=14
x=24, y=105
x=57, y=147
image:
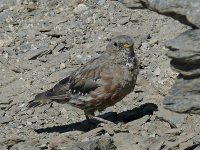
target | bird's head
x=122, y=43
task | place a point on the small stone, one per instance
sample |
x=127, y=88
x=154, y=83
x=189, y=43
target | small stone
x=174, y=131
x=59, y=48
x=80, y=8
x=152, y=42
x=22, y=105
x=196, y=139
x=92, y=133
x=124, y=20
x=30, y=111
x=5, y=55
x=124, y=140
x=19, y=127
x=9, y=142
x=157, y=72
x=134, y=18
x=109, y=129
x=64, y=113
x=62, y=65
x=174, y=119
x=59, y=141
x=5, y=120
x=2, y=113
x=5, y=101
x=102, y=142
x=29, y=123
x=101, y=2
x=52, y=112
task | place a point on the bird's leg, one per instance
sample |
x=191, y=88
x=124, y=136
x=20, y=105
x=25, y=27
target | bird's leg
x=87, y=115
x=90, y=124
x=92, y=116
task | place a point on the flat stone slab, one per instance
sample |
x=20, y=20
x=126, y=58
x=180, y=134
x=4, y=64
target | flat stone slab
x=185, y=53
x=184, y=97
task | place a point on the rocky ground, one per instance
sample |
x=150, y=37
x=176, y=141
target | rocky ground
x=42, y=41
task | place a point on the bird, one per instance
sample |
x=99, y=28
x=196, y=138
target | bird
x=100, y=83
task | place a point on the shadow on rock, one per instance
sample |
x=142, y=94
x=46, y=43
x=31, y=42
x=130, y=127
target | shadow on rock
x=126, y=116
x=192, y=147
x=138, y=112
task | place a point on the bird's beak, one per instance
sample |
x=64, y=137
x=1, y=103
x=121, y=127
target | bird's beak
x=127, y=45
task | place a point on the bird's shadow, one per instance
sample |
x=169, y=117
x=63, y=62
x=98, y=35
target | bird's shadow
x=125, y=116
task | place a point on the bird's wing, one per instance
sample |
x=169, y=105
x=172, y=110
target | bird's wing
x=107, y=82
x=79, y=81
x=96, y=80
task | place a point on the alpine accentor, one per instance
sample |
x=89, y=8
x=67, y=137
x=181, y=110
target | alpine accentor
x=100, y=83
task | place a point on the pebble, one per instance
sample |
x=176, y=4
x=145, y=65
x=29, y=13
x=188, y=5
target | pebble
x=196, y=139
x=157, y=72
x=2, y=113
x=80, y=8
x=123, y=20
x=29, y=123
x=101, y=2
x=152, y=42
x=59, y=48
x=5, y=120
x=62, y=65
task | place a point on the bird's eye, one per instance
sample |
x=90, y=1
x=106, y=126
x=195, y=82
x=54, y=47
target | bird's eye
x=115, y=44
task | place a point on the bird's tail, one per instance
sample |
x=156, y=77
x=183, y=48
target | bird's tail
x=39, y=100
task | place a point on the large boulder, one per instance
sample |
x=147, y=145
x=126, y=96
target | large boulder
x=184, y=51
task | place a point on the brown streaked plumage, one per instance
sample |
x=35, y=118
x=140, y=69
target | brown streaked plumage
x=100, y=83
